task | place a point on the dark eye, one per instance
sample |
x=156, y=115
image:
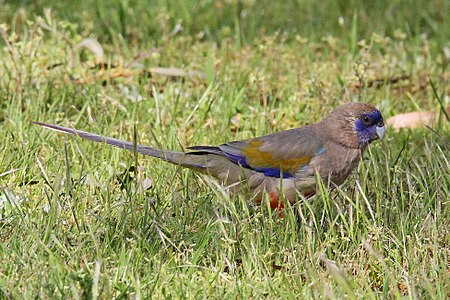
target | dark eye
x=366, y=120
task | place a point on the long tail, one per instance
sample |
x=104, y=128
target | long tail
x=178, y=158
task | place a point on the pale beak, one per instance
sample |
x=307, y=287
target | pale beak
x=381, y=130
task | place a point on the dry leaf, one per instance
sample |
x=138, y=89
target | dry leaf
x=413, y=119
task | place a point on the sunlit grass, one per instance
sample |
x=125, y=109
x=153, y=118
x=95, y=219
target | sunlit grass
x=79, y=219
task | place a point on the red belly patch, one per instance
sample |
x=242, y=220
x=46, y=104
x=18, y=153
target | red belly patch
x=275, y=201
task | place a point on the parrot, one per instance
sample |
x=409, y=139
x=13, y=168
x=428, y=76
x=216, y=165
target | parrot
x=281, y=165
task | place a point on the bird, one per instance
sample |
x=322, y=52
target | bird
x=284, y=165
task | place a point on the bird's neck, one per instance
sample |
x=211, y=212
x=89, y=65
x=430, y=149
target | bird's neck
x=340, y=133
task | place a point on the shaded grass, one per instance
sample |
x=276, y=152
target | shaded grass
x=242, y=21
x=74, y=224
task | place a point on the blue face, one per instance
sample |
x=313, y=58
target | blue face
x=369, y=127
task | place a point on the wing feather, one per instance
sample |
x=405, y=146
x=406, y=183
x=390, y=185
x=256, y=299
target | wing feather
x=280, y=154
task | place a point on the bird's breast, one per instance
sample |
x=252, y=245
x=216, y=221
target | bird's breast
x=336, y=163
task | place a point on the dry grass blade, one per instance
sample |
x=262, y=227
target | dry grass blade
x=92, y=45
x=175, y=72
x=10, y=172
x=142, y=55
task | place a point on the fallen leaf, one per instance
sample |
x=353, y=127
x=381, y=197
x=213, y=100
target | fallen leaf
x=413, y=119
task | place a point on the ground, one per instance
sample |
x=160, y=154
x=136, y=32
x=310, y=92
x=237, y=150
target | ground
x=84, y=220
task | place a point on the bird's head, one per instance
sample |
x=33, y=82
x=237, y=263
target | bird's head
x=356, y=125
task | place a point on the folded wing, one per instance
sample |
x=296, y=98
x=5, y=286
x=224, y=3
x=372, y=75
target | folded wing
x=280, y=155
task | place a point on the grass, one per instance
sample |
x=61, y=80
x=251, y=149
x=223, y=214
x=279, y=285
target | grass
x=79, y=220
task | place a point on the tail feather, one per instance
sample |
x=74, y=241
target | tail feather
x=206, y=150
x=178, y=158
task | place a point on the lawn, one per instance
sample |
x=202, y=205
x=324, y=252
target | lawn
x=85, y=220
